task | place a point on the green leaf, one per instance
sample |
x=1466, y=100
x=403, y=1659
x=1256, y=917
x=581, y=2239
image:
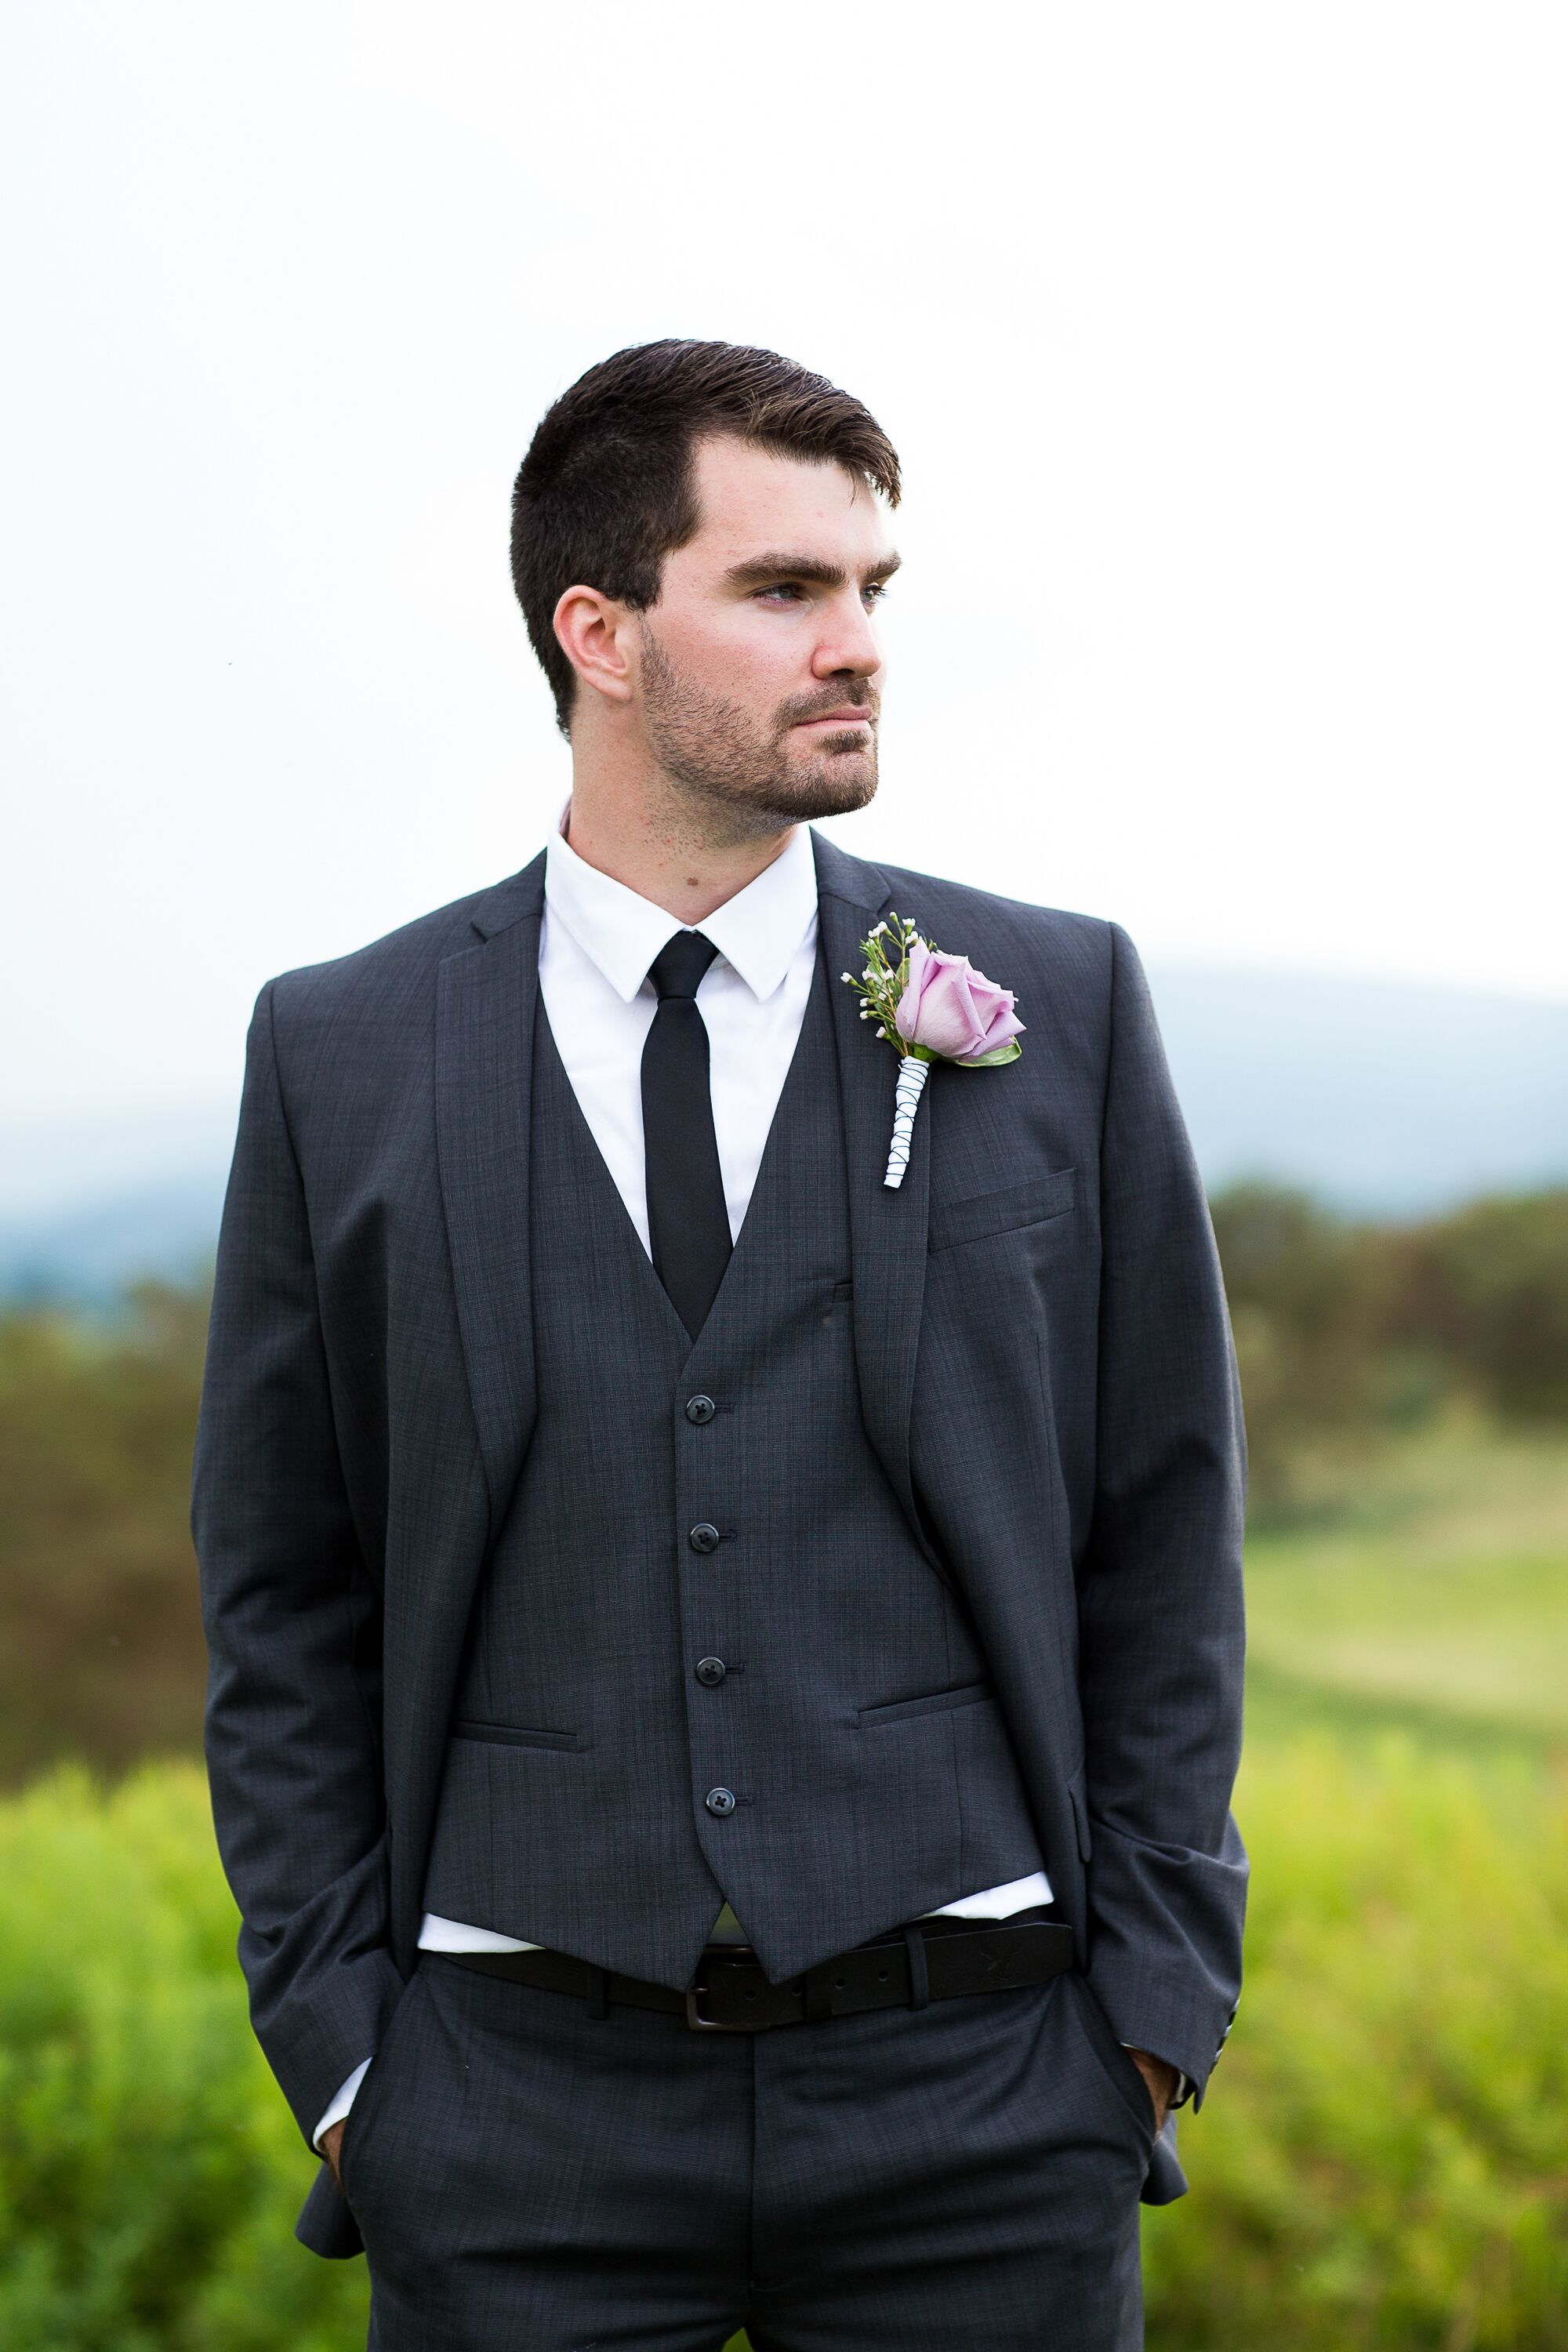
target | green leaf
x=1007, y=1053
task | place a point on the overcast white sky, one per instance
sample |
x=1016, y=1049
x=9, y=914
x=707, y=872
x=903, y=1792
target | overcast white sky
x=1225, y=346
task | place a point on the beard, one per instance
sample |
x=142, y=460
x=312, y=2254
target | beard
x=718, y=753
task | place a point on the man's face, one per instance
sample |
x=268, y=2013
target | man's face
x=759, y=672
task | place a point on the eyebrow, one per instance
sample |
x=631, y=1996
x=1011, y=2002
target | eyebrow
x=761, y=569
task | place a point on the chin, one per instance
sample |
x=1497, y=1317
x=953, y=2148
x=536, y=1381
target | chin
x=831, y=783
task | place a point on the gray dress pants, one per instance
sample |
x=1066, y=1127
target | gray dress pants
x=528, y=2178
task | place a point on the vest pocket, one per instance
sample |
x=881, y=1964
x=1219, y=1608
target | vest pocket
x=940, y=1702
x=509, y=1734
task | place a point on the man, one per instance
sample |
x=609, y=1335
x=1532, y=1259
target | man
x=725, y=1672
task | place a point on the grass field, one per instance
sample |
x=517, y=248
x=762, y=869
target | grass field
x=1380, y=2166
x=1432, y=1591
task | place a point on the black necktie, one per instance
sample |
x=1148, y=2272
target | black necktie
x=688, y=1223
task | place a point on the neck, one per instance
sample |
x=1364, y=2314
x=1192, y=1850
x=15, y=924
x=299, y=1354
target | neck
x=658, y=845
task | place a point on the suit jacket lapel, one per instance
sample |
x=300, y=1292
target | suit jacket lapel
x=484, y=1070
x=888, y=1228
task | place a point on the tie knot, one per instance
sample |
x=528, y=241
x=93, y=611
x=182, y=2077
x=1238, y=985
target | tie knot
x=680, y=963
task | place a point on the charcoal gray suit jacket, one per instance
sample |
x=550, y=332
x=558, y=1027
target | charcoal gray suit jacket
x=1046, y=1372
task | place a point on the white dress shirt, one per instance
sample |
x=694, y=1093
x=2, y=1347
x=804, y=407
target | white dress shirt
x=596, y=941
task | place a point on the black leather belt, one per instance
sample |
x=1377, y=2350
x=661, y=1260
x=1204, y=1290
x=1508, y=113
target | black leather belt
x=730, y=1993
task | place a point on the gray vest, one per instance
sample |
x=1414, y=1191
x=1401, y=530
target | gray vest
x=708, y=1662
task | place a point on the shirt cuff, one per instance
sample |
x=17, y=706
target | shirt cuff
x=342, y=2104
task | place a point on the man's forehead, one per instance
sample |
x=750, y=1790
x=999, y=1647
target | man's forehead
x=751, y=497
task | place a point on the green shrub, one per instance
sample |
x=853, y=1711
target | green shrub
x=149, y=2170
x=1379, y=2166
x=1487, y=1286
x=1348, y=1330
x=1380, y=2162
x=101, y=1631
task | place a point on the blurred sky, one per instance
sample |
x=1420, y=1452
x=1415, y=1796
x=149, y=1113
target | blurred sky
x=1225, y=346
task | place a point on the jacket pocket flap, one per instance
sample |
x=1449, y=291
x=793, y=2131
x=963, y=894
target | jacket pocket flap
x=985, y=1213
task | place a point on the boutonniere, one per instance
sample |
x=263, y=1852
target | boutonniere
x=929, y=1008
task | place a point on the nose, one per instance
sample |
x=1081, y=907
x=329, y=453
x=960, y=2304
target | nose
x=847, y=642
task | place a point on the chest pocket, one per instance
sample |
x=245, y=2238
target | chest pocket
x=984, y=1215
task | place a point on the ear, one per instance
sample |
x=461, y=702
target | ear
x=592, y=631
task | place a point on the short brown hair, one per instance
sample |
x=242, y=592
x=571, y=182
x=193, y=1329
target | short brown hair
x=605, y=490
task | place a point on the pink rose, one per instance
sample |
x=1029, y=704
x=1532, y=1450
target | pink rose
x=952, y=1008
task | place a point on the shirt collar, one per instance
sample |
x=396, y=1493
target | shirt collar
x=757, y=930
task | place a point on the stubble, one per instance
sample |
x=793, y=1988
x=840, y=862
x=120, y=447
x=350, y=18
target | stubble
x=715, y=752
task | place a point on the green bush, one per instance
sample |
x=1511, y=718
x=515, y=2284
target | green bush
x=149, y=2170
x=1347, y=1331
x=1309, y=1302
x=1380, y=2162
x=101, y=1632
x=1488, y=1287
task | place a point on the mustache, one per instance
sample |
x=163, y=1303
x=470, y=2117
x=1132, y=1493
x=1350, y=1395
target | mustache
x=858, y=695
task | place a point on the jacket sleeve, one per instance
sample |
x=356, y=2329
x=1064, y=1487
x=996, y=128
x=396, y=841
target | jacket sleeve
x=1159, y=1593
x=293, y=1631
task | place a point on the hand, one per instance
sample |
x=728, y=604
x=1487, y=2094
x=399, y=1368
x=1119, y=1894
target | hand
x=1160, y=2075
x=332, y=2140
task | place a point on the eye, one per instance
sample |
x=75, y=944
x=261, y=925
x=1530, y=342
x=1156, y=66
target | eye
x=875, y=591
x=787, y=589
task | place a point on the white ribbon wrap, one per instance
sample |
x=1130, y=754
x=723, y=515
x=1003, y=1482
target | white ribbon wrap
x=912, y=1073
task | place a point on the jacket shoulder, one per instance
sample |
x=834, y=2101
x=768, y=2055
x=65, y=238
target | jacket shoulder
x=404, y=960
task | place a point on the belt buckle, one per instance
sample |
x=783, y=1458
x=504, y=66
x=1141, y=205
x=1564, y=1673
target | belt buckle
x=695, y=1993
x=707, y=2024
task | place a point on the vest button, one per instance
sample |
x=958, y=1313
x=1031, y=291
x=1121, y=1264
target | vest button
x=704, y=1536
x=719, y=1801
x=711, y=1671
x=701, y=1409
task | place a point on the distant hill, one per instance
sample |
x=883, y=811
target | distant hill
x=1385, y=1100
x=93, y=1203
x=87, y=1255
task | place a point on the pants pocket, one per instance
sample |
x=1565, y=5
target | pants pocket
x=1118, y=2066
x=363, y=2120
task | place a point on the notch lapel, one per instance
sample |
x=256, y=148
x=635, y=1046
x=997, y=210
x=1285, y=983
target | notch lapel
x=887, y=1229
x=487, y=997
